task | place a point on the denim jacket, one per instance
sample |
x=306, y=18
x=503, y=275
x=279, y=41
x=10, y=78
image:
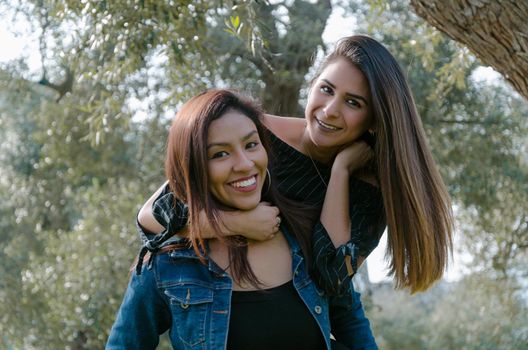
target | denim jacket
x=191, y=300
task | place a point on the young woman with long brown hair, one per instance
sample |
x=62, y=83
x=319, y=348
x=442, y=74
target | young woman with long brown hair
x=227, y=292
x=416, y=202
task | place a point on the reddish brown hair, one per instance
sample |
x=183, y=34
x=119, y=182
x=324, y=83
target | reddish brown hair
x=186, y=169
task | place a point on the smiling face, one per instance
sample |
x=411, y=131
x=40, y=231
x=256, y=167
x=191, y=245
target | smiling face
x=337, y=111
x=237, y=161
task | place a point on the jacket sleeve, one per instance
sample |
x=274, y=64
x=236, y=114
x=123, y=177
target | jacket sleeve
x=335, y=267
x=348, y=323
x=142, y=317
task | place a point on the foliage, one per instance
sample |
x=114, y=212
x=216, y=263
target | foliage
x=473, y=313
x=176, y=48
x=68, y=235
x=74, y=173
x=70, y=292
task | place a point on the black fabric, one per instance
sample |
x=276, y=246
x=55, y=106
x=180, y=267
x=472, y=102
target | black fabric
x=273, y=318
x=171, y=214
x=298, y=179
x=303, y=179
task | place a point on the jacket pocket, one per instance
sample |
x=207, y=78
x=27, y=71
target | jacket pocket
x=190, y=306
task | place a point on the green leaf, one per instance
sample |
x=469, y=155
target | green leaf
x=235, y=21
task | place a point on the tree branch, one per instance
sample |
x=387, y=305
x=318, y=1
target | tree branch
x=495, y=31
x=467, y=121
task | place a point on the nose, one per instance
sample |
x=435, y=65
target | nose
x=331, y=108
x=243, y=163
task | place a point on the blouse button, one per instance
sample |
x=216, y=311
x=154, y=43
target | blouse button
x=318, y=309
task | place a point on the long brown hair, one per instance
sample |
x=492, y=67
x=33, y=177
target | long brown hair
x=186, y=169
x=417, y=205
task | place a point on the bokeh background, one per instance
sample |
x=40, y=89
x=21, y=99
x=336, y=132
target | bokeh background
x=87, y=91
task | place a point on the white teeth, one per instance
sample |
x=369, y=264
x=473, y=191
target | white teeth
x=244, y=183
x=327, y=126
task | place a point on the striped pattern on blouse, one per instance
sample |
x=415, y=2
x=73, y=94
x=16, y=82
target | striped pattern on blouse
x=299, y=179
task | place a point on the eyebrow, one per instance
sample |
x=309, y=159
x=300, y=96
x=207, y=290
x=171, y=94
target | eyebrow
x=359, y=97
x=243, y=139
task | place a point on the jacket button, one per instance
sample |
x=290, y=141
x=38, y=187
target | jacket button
x=184, y=306
x=318, y=309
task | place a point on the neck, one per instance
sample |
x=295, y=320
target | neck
x=323, y=155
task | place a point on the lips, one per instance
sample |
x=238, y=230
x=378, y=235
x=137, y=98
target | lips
x=246, y=184
x=325, y=126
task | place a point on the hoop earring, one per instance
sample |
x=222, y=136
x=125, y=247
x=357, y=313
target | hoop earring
x=269, y=180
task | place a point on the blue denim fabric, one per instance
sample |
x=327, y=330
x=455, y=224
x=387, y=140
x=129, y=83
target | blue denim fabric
x=177, y=293
x=193, y=301
x=348, y=322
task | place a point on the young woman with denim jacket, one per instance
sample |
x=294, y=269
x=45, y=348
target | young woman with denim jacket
x=198, y=289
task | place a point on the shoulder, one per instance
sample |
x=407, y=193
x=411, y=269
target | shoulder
x=180, y=266
x=288, y=129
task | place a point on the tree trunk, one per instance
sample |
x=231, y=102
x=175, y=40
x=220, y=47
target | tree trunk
x=290, y=53
x=281, y=96
x=495, y=31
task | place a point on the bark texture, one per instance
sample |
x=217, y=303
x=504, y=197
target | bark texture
x=496, y=31
x=284, y=73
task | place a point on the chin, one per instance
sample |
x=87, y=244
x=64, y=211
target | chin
x=322, y=141
x=247, y=204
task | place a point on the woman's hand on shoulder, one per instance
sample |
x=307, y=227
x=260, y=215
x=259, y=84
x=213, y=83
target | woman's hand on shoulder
x=258, y=224
x=352, y=157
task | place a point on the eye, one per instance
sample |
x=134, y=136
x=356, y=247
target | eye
x=353, y=103
x=326, y=89
x=252, y=144
x=219, y=154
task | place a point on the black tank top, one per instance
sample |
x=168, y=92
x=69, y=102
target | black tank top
x=274, y=318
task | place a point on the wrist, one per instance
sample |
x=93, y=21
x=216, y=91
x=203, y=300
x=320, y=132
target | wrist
x=229, y=220
x=340, y=169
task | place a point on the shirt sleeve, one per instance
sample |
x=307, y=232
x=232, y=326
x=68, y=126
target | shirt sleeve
x=367, y=215
x=335, y=267
x=170, y=213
